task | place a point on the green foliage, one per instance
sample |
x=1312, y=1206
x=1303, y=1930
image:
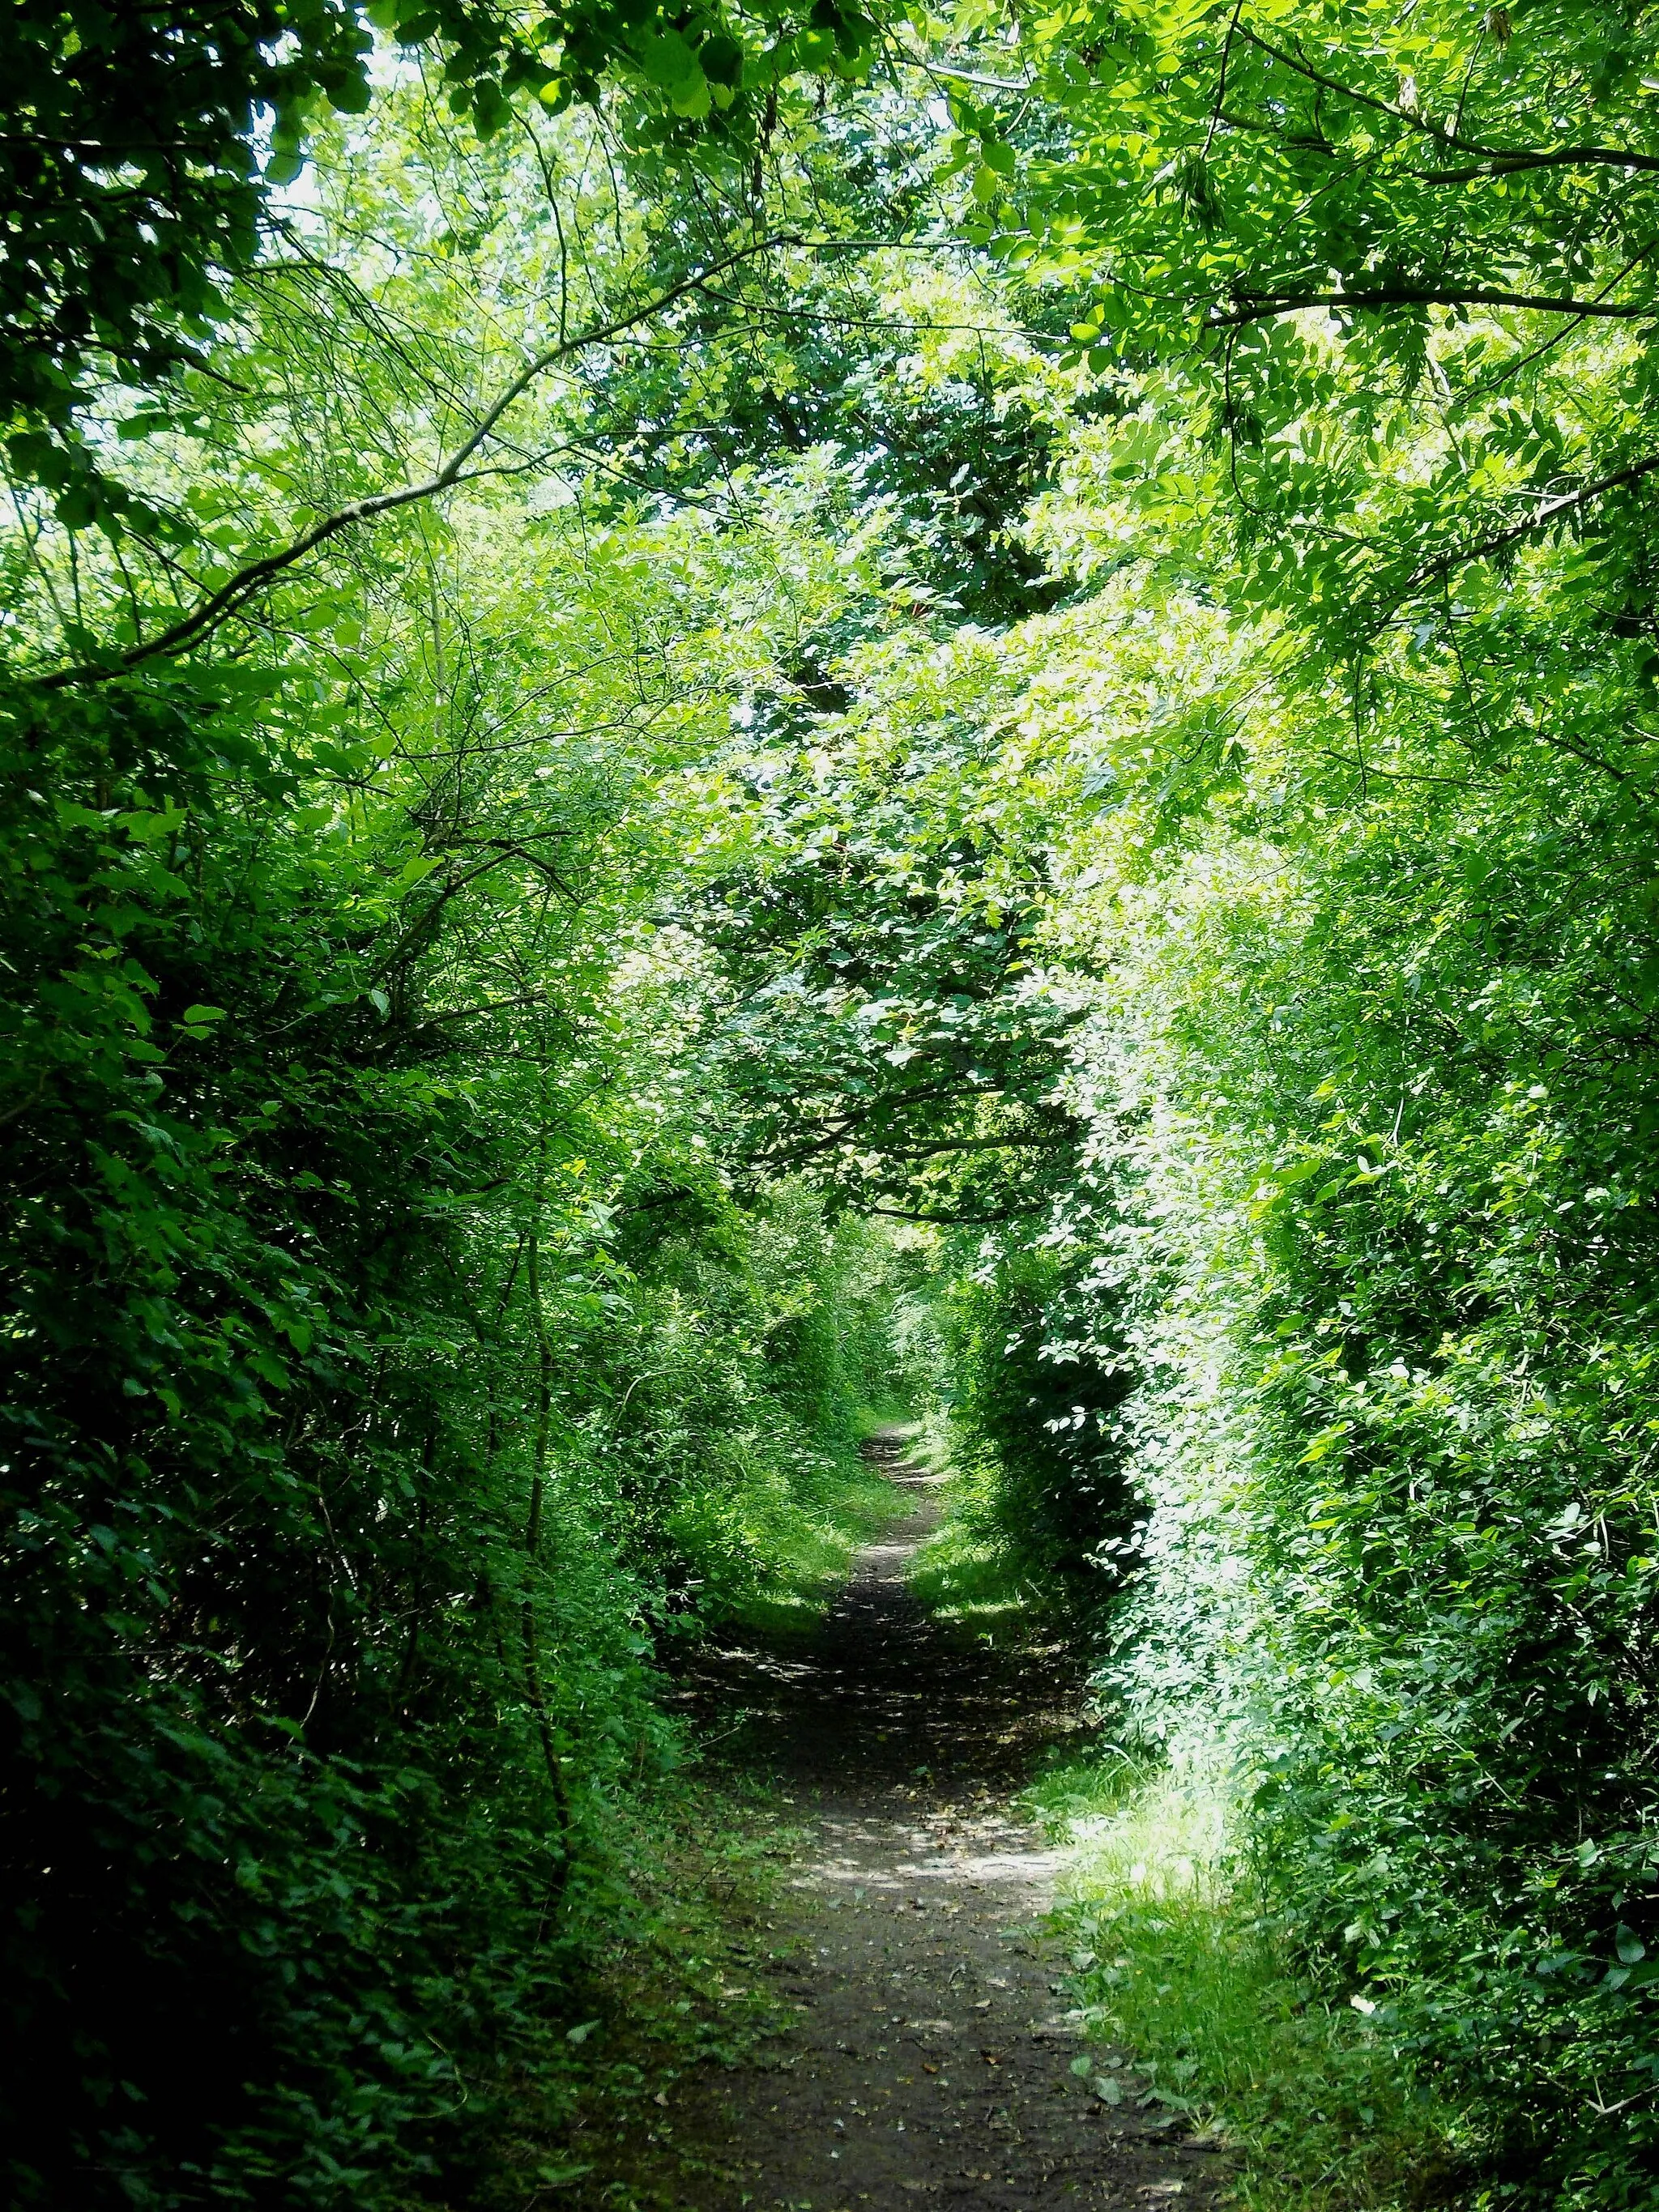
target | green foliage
x=321, y=1569
x=365, y=1430
x=585, y=743
x=886, y=1035
x=133, y=190
x=1033, y=1428
x=1324, y=225
x=1178, y=1963
x=1472, y=1403
x=262, y=1555
x=939, y=428
x=753, y=1340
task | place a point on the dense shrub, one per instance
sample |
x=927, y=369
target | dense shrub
x=1032, y=1421
x=1396, y=1445
x=348, y=1480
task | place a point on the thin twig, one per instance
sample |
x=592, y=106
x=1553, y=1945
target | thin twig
x=223, y=603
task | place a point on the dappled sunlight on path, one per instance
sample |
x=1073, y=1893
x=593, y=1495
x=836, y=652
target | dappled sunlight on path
x=931, y=2051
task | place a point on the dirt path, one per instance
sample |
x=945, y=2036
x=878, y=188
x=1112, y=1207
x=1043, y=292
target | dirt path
x=930, y=2056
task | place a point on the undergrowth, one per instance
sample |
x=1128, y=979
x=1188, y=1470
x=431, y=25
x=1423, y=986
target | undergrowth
x=1174, y=1958
x=804, y=1530
x=971, y=1574
x=681, y=1990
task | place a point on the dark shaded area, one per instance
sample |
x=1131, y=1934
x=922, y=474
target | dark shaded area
x=881, y=1695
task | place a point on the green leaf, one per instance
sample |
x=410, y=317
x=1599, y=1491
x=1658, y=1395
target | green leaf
x=692, y=98
x=669, y=61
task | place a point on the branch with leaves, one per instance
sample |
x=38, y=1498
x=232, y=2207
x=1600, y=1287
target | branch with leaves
x=251, y=579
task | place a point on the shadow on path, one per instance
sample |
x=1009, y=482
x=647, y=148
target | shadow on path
x=880, y=1696
x=930, y=2057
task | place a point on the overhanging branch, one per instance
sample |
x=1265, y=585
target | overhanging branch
x=1408, y=295
x=220, y=605
x=1619, y=157
x=1551, y=511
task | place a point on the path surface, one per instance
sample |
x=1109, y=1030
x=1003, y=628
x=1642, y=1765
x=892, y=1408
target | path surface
x=931, y=2057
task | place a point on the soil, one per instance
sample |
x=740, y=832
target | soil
x=930, y=2055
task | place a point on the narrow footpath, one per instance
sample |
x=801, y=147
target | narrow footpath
x=931, y=2055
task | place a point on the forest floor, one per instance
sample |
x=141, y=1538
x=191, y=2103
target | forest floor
x=921, y=2048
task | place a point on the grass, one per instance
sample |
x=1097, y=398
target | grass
x=967, y=1574
x=1174, y=1958
x=681, y=1992
x=797, y=1539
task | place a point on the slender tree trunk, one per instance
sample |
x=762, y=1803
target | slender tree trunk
x=532, y=1543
